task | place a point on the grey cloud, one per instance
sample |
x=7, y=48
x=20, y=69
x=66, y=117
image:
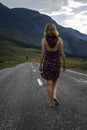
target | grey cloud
x=85, y=13
x=84, y=24
x=80, y=9
x=52, y=5
x=60, y=19
x=82, y=1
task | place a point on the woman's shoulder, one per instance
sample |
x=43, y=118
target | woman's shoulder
x=43, y=39
x=60, y=41
x=59, y=38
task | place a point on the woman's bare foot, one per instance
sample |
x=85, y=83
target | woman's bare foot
x=52, y=104
x=56, y=102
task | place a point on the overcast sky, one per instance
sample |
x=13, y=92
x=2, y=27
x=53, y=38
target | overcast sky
x=68, y=13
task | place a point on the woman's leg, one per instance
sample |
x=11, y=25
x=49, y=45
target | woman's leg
x=55, y=89
x=50, y=91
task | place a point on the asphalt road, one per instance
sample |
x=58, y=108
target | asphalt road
x=24, y=100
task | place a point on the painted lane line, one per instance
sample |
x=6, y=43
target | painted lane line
x=76, y=72
x=39, y=82
x=77, y=80
x=31, y=65
x=80, y=80
x=34, y=70
x=83, y=81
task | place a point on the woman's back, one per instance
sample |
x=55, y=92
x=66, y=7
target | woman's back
x=55, y=48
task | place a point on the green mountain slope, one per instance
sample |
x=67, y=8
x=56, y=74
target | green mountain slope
x=10, y=51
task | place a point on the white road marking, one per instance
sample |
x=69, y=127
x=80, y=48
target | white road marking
x=31, y=65
x=77, y=80
x=34, y=70
x=39, y=82
x=76, y=72
x=83, y=81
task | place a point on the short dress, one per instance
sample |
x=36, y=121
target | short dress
x=51, y=65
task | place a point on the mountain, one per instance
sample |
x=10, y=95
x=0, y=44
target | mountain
x=2, y=6
x=25, y=27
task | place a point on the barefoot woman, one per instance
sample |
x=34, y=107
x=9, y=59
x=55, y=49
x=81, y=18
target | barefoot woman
x=52, y=45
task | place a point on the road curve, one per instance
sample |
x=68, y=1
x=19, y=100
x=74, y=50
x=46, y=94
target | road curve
x=24, y=100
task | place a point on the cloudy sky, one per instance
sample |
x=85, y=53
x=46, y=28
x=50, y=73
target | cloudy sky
x=68, y=13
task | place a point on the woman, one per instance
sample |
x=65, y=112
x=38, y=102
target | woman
x=52, y=45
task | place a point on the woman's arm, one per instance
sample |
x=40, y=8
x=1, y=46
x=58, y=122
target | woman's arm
x=62, y=54
x=43, y=50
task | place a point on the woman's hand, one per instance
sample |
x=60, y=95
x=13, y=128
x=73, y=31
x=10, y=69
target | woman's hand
x=64, y=66
x=40, y=68
x=42, y=55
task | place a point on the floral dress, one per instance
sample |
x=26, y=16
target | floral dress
x=51, y=64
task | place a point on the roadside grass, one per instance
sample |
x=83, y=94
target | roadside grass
x=32, y=56
x=77, y=64
x=12, y=55
x=13, y=63
x=72, y=63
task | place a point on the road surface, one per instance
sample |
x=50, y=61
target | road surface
x=24, y=100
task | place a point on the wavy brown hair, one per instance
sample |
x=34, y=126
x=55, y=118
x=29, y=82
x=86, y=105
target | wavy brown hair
x=50, y=30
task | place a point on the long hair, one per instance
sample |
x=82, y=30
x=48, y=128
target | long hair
x=50, y=30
